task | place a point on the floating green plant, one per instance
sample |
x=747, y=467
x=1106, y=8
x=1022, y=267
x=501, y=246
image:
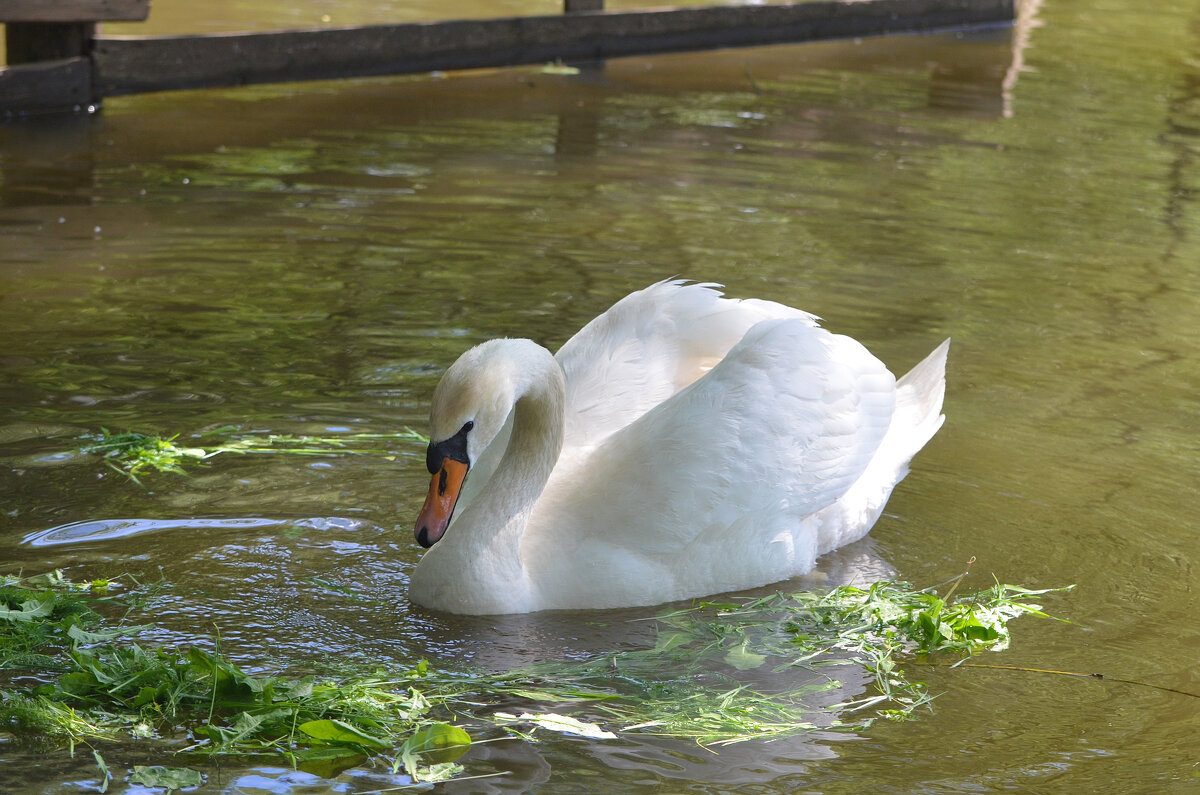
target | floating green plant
x=132, y=453
x=677, y=688
x=98, y=683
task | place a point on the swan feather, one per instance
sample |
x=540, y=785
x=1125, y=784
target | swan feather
x=707, y=444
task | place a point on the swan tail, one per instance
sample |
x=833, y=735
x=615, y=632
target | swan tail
x=916, y=418
x=919, y=395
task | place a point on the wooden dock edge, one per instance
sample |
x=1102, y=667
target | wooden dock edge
x=137, y=64
x=47, y=86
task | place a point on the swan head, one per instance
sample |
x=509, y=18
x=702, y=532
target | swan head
x=470, y=406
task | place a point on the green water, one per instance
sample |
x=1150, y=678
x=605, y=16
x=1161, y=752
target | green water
x=307, y=259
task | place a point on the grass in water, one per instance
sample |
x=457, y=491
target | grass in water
x=133, y=454
x=98, y=683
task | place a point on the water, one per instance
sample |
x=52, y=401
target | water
x=307, y=259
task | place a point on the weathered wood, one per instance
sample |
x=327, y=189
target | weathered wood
x=74, y=10
x=127, y=65
x=50, y=85
x=573, y=6
x=28, y=42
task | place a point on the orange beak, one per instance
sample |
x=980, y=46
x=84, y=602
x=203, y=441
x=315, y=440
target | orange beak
x=439, y=505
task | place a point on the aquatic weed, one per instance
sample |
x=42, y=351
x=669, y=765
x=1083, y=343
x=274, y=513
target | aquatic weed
x=100, y=684
x=132, y=453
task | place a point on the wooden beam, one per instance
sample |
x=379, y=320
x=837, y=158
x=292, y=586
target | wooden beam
x=127, y=65
x=28, y=42
x=74, y=10
x=46, y=86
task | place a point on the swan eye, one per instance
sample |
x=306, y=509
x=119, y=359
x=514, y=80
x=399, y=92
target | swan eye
x=454, y=448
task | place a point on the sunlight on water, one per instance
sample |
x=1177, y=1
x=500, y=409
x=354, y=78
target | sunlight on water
x=110, y=529
x=308, y=260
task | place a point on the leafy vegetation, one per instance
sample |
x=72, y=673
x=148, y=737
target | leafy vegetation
x=97, y=683
x=682, y=687
x=101, y=685
x=132, y=453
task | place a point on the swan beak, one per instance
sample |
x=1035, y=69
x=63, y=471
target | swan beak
x=439, y=505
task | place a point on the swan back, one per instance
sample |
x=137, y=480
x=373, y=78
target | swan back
x=647, y=347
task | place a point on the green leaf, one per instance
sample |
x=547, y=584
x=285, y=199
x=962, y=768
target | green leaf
x=327, y=761
x=232, y=684
x=439, y=743
x=146, y=695
x=667, y=641
x=443, y=771
x=169, y=777
x=101, y=636
x=51, y=579
x=553, y=696
x=336, y=731
x=78, y=683
x=743, y=659
x=30, y=609
x=567, y=725
x=105, y=775
x=298, y=689
x=221, y=736
x=246, y=725
x=437, y=736
x=91, y=666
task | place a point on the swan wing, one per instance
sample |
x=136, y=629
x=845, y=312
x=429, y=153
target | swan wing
x=646, y=348
x=642, y=350
x=714, y=488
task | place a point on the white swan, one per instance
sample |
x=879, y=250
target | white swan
x=681, y=444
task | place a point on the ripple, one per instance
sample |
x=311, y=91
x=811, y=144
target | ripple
x=110, y=529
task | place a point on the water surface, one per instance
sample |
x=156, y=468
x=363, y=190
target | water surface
x=307, y=259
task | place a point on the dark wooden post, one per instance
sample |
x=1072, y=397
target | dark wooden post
x=592, y=67
x=27, y=42
x=571, y=6
x=49, y=45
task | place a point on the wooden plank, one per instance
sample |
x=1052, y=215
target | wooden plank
x=50, y=85
x=135, y=64
x=74, y=10
x=27, y=42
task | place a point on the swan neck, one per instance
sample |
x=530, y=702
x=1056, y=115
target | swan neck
x=535, y=443
x=537, y=433
x=478, y=567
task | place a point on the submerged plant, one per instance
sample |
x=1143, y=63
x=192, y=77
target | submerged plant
x=99, y=684
x=683, y=686
x=132, y=453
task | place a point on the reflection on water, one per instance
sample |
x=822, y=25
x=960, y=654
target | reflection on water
x=112, y=529
x=295, y=259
